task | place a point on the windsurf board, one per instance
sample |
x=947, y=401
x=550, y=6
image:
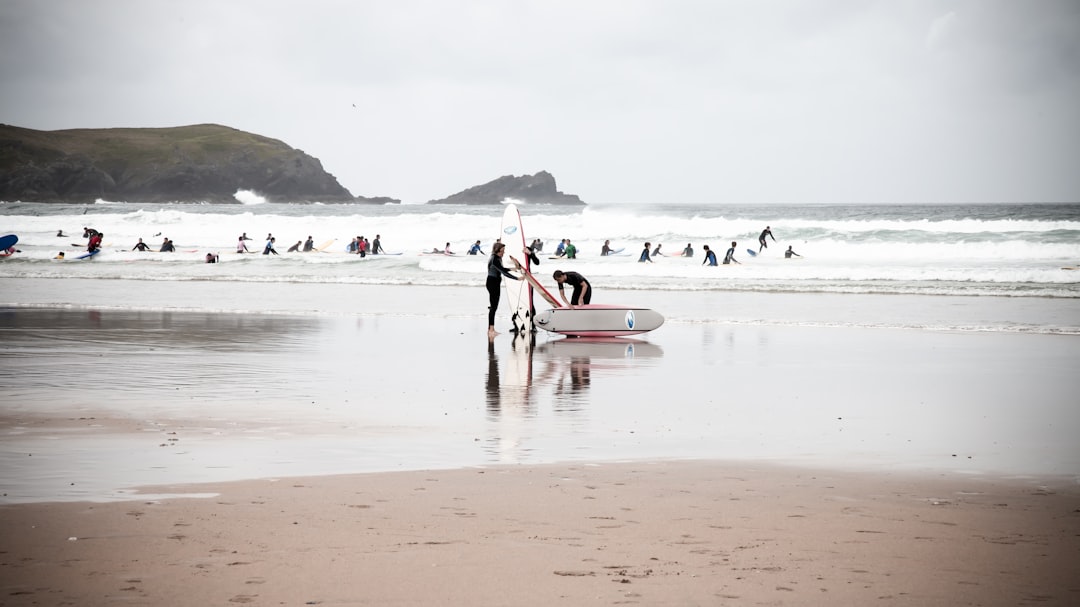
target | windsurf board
x=6, y=242
x=539, y=288
x=518, y=292
x=599, y=320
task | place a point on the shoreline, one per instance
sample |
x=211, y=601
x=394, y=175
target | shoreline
x=656, y=533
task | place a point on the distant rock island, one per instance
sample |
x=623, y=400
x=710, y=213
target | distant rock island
x=198, y=163
x=536, y=189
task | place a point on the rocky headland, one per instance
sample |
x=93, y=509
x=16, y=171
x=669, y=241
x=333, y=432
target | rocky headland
x=198, y=163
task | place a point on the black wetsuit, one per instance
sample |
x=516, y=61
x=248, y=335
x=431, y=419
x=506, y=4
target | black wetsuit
x=578, y=282
x=730, y=256
x=308, y=245
x=494, y=281
x=761, y=239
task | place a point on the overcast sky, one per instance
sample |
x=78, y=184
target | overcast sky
x=622, y=100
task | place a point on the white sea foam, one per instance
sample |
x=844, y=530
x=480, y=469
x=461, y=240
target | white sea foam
x=996, y=250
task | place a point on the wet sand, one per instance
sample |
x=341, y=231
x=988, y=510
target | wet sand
x=327, y=460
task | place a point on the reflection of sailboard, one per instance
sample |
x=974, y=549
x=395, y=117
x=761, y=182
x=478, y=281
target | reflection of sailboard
x=600, y=348
x=518, y=292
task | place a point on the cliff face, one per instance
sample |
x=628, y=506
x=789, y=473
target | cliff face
x=197, y=163
x=537, y=189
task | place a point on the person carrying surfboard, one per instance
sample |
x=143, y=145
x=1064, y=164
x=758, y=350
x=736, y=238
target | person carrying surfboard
x=582, y=289
x=496, y=271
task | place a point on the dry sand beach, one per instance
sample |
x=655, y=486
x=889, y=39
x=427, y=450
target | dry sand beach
x=396, y=458
x=661, y=533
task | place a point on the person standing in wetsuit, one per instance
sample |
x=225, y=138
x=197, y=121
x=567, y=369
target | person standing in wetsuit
x=309, y=245
x=761, y=239
x=496, y=271
x=582, y=289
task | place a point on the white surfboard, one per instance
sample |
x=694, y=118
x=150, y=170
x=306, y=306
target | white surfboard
x=599, y=320
x=518, y=292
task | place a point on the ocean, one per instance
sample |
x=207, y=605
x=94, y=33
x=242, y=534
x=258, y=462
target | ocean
x=951, y=252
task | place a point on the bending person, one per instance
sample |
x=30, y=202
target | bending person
x=582, y=289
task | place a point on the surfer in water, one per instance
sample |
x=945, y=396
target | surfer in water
x=95, y=242
x=496, y=271
x=645, y=254
x=710, y=257
x=789, y=252
x=582, y=289
x=730, y=256
x=141, y=246
x=761, y=239
x=688, y=251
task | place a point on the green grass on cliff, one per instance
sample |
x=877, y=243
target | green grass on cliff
x=126, y=147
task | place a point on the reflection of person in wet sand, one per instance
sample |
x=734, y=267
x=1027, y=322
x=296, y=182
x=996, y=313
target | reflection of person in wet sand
x=492, y=381
x=580, y=376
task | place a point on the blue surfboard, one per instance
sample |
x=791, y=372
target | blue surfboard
x=88, y=255
x=6, y=242
x=752, y=252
